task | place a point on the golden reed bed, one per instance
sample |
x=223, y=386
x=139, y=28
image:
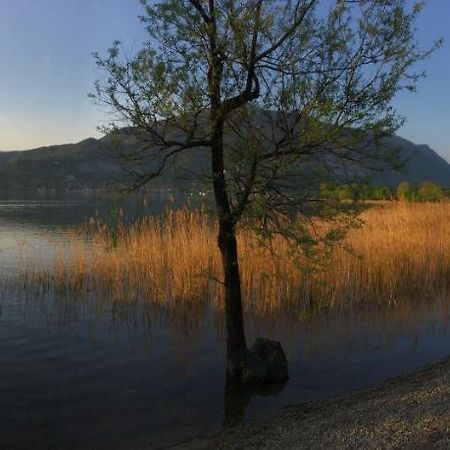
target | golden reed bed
x=401, y=252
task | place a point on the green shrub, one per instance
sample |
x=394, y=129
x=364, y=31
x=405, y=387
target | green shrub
x=429, y=192
x=406, y=192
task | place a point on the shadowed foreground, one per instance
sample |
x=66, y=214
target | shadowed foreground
x=408, y=412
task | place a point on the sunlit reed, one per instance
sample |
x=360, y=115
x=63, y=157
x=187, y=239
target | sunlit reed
x=401, y=252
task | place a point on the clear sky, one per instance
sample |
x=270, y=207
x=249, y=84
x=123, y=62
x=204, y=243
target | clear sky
x=47, y=70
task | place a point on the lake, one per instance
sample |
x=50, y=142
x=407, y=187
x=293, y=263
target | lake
x=94, y=374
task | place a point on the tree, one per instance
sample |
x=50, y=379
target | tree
x=382, y=193
x=276, y=95
x=405, y=191
x=346, y=192
x=429, y=192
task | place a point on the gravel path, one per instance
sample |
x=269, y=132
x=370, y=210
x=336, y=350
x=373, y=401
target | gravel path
x=408, y=412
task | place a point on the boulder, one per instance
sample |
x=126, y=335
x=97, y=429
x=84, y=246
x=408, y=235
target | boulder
x=256, y=368
x=266, y=362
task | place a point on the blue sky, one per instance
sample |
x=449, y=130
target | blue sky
x=47, y=70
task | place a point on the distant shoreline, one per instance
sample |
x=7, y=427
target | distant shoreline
x=102, y=190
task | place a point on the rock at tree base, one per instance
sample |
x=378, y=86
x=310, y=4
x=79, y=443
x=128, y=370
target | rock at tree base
x=266, y=362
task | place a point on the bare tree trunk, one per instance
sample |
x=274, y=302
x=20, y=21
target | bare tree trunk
x=236, y=343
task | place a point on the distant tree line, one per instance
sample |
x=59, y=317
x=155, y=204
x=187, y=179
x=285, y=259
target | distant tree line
x=426, y=191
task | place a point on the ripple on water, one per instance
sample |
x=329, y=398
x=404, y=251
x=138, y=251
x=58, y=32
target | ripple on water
x=74, y=375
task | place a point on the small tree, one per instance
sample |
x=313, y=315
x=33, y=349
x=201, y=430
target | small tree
x=405, y=191
x=346, y=192
x=429, y=192
x=275, y=95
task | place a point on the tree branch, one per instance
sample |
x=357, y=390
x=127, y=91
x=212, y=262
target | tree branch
x=197, y=5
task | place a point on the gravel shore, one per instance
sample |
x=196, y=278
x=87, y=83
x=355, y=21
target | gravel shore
x=407, y=412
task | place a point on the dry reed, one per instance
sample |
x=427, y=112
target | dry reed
x=401, y=252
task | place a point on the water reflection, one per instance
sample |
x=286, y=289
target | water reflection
x=84, y=371
x=237, y=397
x=166, y=364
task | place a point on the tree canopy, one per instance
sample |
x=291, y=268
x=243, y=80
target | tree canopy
x=276, y=95
x=298, y=82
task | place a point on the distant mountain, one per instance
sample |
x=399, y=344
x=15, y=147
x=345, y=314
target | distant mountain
x=90, y=164
x=85, y=165
x=421, y=164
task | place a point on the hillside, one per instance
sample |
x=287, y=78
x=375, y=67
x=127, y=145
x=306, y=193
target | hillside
x=72, y=166
x=91, y=164
x=422, y=164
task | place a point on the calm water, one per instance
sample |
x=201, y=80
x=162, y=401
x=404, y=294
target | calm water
x=91, y=374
